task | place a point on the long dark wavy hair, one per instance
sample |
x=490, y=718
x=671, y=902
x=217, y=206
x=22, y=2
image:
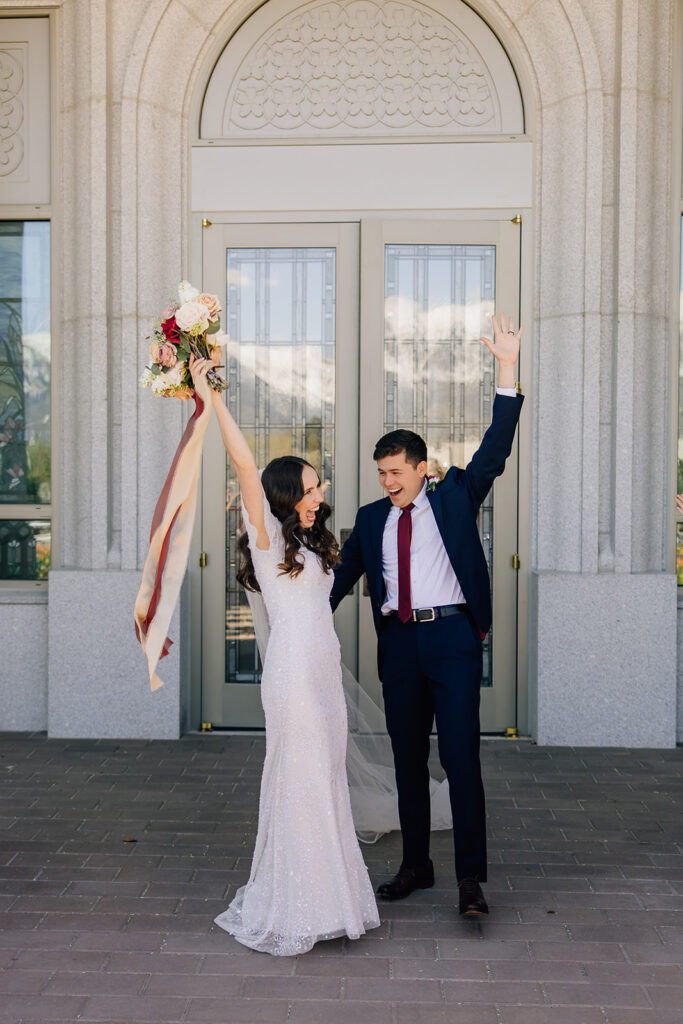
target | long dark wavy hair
x=284, y=490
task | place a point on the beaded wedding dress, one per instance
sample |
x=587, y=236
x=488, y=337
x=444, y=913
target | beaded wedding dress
x=308, y=881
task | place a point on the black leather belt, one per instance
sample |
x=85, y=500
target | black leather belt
x=440, y=612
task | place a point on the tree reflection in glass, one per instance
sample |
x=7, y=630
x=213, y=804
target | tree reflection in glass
x=25, y=362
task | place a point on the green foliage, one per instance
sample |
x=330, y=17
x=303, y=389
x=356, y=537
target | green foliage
x=38, y=475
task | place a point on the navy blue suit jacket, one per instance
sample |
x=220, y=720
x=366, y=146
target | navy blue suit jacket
x=455, y=502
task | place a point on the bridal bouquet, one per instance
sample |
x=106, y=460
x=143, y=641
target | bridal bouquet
x=188, y=326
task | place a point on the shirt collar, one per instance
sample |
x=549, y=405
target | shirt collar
x=420, y=502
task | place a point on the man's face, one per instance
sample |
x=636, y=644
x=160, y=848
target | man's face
x=401, y=479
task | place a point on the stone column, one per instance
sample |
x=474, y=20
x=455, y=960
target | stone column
x=121, y=253
x=603, y=603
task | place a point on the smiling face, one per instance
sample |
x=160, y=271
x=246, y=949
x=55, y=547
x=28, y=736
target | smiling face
x=401, y=479
x=312, y=499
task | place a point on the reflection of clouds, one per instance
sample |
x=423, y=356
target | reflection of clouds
x=290, y=371
x=418, y=350
x=36, y=366
x=238, y=278
x=406, y=320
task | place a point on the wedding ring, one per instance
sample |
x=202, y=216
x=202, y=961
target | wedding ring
x=511, y=332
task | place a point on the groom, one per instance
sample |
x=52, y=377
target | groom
x=430, y=592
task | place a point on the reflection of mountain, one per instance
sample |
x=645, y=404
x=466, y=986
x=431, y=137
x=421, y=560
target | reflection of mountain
x=415, y=335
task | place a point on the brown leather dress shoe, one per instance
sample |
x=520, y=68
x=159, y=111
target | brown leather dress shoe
x=472, y=902
x=407, y=879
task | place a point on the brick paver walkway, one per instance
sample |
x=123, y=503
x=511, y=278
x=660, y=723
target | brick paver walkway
x=116, y=856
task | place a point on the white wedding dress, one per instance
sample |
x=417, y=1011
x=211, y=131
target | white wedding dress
x=308, y=881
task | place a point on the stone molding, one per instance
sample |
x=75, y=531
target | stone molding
x=402, y=67
x=12, y=81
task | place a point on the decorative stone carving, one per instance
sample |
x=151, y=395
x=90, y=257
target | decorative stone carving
x=11, y=110
x=362, y=66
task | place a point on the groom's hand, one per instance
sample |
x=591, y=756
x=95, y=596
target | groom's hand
x=505, y=348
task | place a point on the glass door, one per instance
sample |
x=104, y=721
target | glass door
x=290, y=305
x=428, y=291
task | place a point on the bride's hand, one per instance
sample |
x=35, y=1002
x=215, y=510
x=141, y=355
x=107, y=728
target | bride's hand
x=198, y=371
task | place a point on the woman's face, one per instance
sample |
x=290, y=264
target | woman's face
x=312, y=499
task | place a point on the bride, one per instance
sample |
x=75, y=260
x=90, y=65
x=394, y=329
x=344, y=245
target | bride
x=308, y=881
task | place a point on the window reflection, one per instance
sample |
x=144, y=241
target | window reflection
x=438, y=377
x=280, y=315
x=25, y=548
x=25, y=362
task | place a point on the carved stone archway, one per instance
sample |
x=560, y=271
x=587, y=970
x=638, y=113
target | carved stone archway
x=361, y=68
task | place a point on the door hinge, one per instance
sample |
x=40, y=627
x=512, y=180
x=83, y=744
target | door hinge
x=206, y=223
x=511, y=733
x=206, y=727
x=517, y=219
x=516, y=561
x=203, y=560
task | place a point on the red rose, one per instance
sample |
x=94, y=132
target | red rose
x=170, y=329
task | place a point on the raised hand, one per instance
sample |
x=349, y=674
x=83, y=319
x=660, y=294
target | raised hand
x=198, y=371
x=505, y=347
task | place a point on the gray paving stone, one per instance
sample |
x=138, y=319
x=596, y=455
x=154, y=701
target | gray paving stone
x=496, y=992
x=17, y=982
x=618, y=1015
x=666, y=997
x=392, y=990
x=595, y=994
x=346, y=1012
x=95, y=983
x=484, y=949
x=636, y=974
x=293, y=988
x=591, y=836
x=417, y=1013
x=546, y=970
x=133, y=1008
x=243, y=1011
x=348, y=967
x=56, y=960
x=555, y=1015
x=44, y=1008
x=468, y=970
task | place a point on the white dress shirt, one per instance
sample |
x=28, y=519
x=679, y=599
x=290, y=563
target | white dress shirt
x=432, y=579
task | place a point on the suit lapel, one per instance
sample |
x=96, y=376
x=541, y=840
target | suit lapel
x=378, y=522
x=435, y=501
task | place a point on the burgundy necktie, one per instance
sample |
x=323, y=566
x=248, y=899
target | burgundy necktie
x=405, y=533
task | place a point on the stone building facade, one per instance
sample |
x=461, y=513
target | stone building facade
x=565, y=122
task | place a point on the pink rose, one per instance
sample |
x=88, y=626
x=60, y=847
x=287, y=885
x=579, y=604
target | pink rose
x=154, y=351
x=167, y=354
x=212, y=304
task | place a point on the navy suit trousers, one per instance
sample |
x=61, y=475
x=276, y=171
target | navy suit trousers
x=432, y=670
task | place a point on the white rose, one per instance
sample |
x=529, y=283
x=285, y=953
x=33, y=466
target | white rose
x=219, y=339
x=192, y=314
x=160, y=384
x=186, y=293
x=174, y=376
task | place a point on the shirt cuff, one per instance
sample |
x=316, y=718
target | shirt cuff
x=510, y=392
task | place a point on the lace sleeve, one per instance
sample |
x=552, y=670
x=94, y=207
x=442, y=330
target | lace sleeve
x=272, y=525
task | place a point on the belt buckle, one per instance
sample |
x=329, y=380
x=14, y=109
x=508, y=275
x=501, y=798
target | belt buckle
x=418, y=618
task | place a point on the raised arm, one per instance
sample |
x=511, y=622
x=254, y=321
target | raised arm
x=237, y=448
x=488, y=461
